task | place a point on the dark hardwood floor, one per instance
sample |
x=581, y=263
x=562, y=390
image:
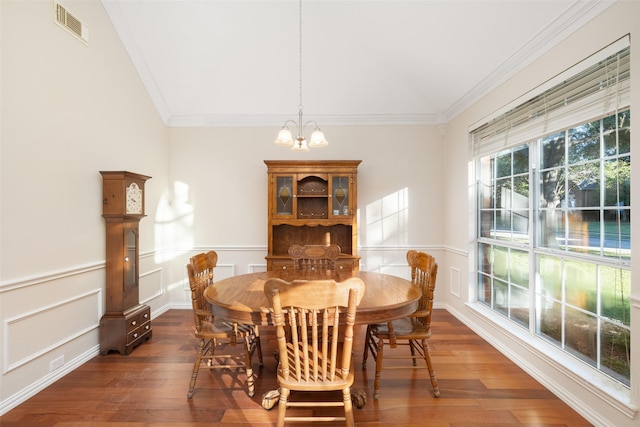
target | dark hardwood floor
x=479, y=387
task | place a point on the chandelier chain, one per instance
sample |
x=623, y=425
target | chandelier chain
x=300, y=53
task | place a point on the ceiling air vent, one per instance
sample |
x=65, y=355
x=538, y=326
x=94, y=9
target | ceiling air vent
x=71, y=23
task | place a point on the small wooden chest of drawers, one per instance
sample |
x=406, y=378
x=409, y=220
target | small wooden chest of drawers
x=123, y=332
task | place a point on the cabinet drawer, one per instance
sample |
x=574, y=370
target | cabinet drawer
x=282, y=265
x=346, y=265
x=137, y=319
x=138, y=332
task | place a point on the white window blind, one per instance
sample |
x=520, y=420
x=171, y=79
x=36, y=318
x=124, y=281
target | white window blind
x=592, y=89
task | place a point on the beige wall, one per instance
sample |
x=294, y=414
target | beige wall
x=219, y=180
x=226, y=177
x=601, y=401
x=69, y=110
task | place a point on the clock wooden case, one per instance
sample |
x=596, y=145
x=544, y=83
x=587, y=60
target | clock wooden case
x=126, y=323
x=312, y=202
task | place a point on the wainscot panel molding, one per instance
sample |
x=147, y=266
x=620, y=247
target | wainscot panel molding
x=50, y=277
x=456, y=251
x=151, y=285
x=454, y=281
x=26, y=340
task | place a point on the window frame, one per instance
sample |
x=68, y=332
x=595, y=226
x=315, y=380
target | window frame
x=531, y=246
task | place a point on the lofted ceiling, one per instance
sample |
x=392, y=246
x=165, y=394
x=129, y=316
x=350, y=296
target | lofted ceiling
x=236, y=62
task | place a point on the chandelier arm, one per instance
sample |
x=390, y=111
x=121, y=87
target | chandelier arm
x=289, y=123
x=311, y=122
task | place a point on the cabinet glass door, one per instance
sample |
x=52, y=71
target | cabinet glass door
x=284, y=195
x=340, y=192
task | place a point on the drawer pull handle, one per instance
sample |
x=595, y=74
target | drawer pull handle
x=147, y=327
x=284, y=267
x=146, y=315
x=135, y=335
x=134, y=323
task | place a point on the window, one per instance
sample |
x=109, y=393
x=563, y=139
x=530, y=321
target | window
x=554, y=212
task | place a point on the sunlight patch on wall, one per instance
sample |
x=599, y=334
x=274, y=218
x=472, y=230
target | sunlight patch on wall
x=173, y=222
x=387, y=220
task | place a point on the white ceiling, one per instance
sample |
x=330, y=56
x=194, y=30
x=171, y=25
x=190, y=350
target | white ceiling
x=236, y=62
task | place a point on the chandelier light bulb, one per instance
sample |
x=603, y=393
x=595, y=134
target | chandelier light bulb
x=284, y=138
x=317, y=139
x=300, y=144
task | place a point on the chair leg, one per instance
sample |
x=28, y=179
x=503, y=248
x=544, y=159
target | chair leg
x=282, y=406
x=348, y=407
x=251, y=386
x=196, y=367
x=258, y=345
x=368, y=347
x=379, y=346
x=412, y=346
x=432, y=374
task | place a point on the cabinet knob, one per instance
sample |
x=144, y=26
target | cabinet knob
x=284, y=267
x=134, y=323
x=147, y=327
x=146, y=315
x=341, y=267
x=135, y=335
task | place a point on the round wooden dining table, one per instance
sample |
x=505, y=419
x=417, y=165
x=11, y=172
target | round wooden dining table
x=241, y=298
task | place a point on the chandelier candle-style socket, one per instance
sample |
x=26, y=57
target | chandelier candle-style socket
x=285, y=137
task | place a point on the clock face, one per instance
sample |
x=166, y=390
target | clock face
x=134, y=199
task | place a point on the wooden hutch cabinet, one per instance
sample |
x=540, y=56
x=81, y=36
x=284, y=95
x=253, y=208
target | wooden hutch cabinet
x=312, y=203
x=126, y=323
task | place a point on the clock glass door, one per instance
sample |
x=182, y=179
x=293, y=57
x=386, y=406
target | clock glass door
x=130, y=266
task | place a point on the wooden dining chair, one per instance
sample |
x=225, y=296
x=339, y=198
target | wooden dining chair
x=316, y=355
x=215, y=333
x=314, y=257
x=412, y=331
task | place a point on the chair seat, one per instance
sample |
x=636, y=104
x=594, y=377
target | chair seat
x=405, y=328
x=221, y=329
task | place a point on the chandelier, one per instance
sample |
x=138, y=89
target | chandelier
x=285, y=138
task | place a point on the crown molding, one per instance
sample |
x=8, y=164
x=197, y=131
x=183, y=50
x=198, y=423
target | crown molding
x=326, y=120
x=577, y=15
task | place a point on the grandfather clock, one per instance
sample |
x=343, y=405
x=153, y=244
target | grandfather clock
x=126, y=323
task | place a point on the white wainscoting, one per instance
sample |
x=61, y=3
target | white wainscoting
x=37, y=332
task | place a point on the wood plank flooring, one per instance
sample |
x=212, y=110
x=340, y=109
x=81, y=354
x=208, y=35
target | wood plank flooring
x=479, y=387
